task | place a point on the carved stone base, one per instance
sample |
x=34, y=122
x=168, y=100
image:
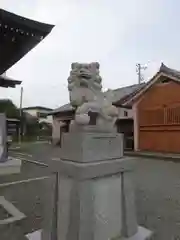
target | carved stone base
x=91, y=147
x=95, y=199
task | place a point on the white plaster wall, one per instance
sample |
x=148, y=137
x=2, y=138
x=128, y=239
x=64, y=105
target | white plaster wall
x=48, y=119
x=130, y=113
x=33, y=112
x=56, y=129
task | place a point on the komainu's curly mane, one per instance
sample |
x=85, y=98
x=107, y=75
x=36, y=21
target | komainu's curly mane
x=85, y=75
x=84, y=85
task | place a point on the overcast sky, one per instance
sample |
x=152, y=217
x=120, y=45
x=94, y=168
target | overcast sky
x=116, y=33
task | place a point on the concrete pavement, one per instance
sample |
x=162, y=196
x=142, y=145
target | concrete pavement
x=157, y=188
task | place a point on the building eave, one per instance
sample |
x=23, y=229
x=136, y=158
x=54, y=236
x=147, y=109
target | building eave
x=122, y=101
x=20, y=35
x=37, y=108
x=149, y=84
x=61, y=113
x=164, y=71
x=8, y=82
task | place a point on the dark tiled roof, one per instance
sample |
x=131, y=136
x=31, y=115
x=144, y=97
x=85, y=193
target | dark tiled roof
x=121, y=93
x=118, y=94
x=8, y=82
x=19, y=36
x=37, y=107
x=9, y=17
x=64, y=108
x=169, y=71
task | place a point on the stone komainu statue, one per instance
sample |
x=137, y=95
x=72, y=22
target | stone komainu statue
x=85, y=90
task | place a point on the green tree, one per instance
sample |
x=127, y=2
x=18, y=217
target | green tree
x=9, y=108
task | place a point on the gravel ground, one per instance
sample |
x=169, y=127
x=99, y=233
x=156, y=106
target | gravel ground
x=158, y=197
x=157, y=189
x=26, y=196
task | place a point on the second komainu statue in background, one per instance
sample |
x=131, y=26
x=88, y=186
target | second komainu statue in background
x=94, y=111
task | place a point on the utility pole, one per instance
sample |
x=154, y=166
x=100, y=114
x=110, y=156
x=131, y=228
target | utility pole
x=20, y=114
x=139, y=69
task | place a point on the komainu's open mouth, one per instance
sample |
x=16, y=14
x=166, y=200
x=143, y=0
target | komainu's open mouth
x=84, y=75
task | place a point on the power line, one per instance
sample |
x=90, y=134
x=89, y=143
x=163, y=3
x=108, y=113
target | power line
x=139, y=68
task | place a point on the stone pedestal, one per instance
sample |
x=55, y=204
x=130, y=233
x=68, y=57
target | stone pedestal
x=91, y=147
x=3, y=138
x=95, y=194
x=7, y=165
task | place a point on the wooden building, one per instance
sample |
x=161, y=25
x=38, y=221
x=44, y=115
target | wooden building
x=157, y=113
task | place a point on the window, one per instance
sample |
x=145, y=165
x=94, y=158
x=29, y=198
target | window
x=164, y=80
x=173, y=115
x=125, y=113
x=41, y=115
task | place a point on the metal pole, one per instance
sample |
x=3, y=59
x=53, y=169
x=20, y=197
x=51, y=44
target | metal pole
x=139, y=73
x=38, y=133
x=20, y=114
x=139, y=67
